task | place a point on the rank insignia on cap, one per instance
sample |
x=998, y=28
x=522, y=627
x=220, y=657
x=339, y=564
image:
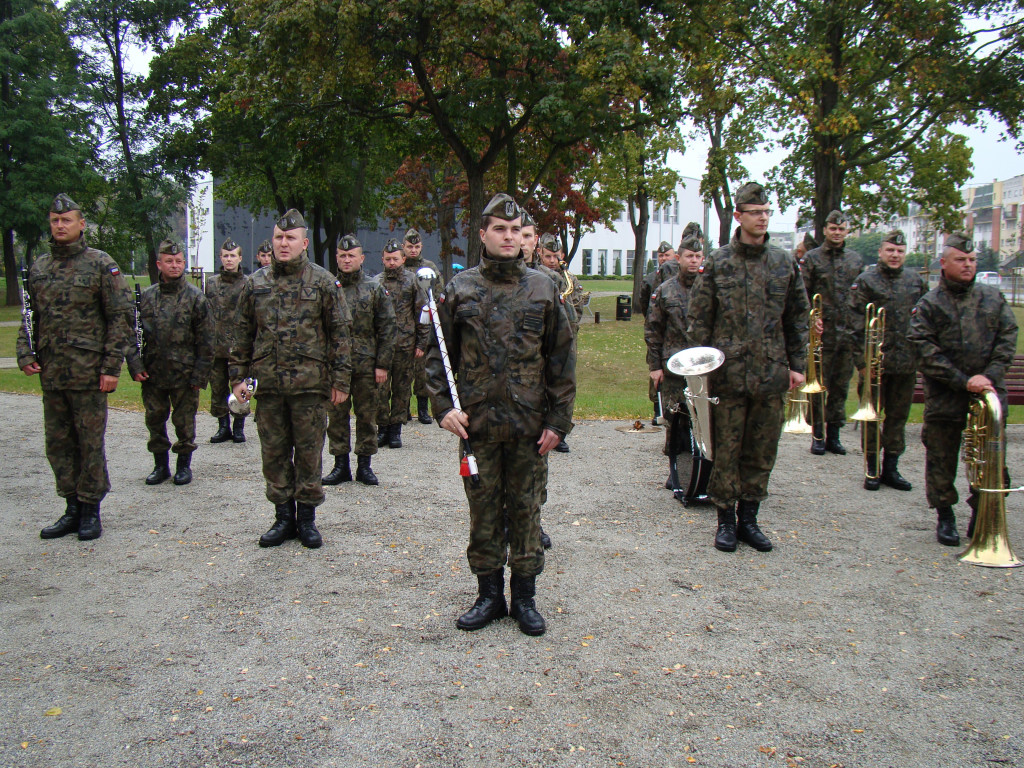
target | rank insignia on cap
x=291, y=219
x=63, y=204
x=228, y=245
x=169, y=247
x=503, y=207
x=896, y=237
x=392, y=246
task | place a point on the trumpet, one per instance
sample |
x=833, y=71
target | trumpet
x=812, y=388
x=870, y=410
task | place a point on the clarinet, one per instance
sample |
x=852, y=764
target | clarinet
x=26, y=312
x=139, y=338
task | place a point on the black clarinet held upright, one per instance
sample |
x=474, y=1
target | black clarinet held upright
x=26, y=312
x=140, y=339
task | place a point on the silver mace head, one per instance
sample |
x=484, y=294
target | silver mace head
x=426, y=277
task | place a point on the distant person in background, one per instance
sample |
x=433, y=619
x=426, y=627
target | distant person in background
x=222, y=292
x=264, y=253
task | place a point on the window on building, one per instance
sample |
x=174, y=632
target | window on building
x=629, y=262
x=654, y=214
x=617, y=261
x=587, y=265
x=602, y=257
x=675, y=215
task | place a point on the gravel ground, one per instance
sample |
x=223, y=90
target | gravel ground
x=174, y=640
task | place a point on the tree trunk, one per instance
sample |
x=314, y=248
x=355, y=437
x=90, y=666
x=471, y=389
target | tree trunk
x=475, y=177
x=828, y=173
x=639, y=215
x=13, y=298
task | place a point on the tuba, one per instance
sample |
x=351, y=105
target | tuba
x=243, y=407
x=812, y=387
x=694, y=365
x=984, y=455
x=870, y=410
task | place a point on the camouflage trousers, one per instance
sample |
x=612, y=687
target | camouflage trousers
x=513, y=481
x=363, y=397
x=291, y=429
x=896, y=396
x=219, y=388
x=746, y=441
x=672, y=397
x=181, y=405
x=396, y=391
x=75, y=422
x=420, y=377
x=941, y=441
x=837, y=369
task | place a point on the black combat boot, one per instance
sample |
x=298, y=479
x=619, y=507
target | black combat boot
x=725, y=537
x=68, y=522
x=238, y=430
x=871, y=467
x=972, y=502
x=283, y=527
x=672, y=483
x=183, y=471
x=489, y=605
x=305, y=515
x=945, y=530
x=562, y=447
x=342, y=472
x=89, y=527
x=832, y=444
x=223, y=430
x=545, y=540
x=523, y=609
x=382, y=435
x=891, y=474
x=364, y=474
x=423, y=410
x=747, y=530
x=395, y=436
x=161, y=469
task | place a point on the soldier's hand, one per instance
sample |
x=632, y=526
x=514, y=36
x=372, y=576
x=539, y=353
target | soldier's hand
x=380, y=375
x=455, y=421
x=819, y=326
x=796, y=379
x=107, y=383
x=657, y=377
x=32, y=369
x=241, y=392
x=979, y=383
x=419, y=353
x=338, y=397
x=142, y=376
x=548, y=440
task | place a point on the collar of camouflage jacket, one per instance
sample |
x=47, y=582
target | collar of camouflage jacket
x=888, y=271
x=67, y=251
x=833, y=253
x=350, y=278
x=956, y=286
x=502, y=269
x=687, y=278
x=293, y=267
x=393, y=274
x=171, y=286
x=230, y=277
x=747, y=251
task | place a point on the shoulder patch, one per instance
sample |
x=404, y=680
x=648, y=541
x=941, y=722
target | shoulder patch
x=852, y=288
x=114, y=270
x=913, y=311
x=337, y=283
x=700, y=269
x=654, y=296
x=440, y=299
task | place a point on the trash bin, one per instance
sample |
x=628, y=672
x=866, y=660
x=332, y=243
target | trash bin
x=624, y=307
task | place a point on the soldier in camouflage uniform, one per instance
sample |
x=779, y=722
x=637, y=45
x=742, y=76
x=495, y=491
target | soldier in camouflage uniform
x=412, y=247
x=410, y=341
x=896, y=290
x=749, y=302
x=292, y=336
x=653, y=279
x=373, y=344
x=80, y=332
x=222, y=292
x=175, y=364
x=551, y=259
x=665, y=334
x=805, y=245
x=513, y=352
x=830, y=271
x=265, y=253
x=966, y=336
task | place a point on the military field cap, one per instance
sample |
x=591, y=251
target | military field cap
x=751, y=193
x=412, y=236
x=896, y=237
x=550, y=242
x=690, y=243
x=169, y=246
x=664, y=247
x=228, y=245
x=265, y=247
x=960, y=241
x=62, y=204
x=349, y=243
x=809, y=243
x=292, y=219
x=503, y=207
x=392, y=246
x=528, y=219
x=693, y=228
x=837, y=217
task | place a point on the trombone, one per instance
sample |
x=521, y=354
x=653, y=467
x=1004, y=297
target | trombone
x=870, y=410
x=812, y=388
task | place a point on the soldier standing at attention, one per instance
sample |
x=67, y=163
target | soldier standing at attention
x=80, y=333
x=410, y=340
x=412, y=246
x=292, y=337
x=966, y=336
x=830, y=271
x=222, y=292
x=372, y=340
x=530, y=255
x=653, y=279
x=896, y=290
x=749, y=302
x=264, y=253
x=513, y=352
x=178, y=330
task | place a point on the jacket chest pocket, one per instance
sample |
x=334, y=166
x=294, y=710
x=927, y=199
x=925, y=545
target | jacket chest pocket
x=83, y=289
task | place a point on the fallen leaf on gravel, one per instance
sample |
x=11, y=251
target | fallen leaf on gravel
x=24, y=745
x=152, y=531
x=767, y=750
x=53, y=711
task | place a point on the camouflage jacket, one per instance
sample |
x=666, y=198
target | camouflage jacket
x=373, y=322
x=512, y=351
x=831, y=272
x=665, y=327
x=292, y=331
x=897, y=290
x=400, y=285
x=749, y=302
x=652, y=280
x=82, y=315
x=556, y=278
x=178, y=330
x=960, y=330
x=222, y=292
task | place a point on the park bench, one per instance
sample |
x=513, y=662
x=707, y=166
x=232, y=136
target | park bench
x=1014, y=383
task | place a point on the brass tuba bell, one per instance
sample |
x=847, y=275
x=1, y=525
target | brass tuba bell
x=695, y=364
